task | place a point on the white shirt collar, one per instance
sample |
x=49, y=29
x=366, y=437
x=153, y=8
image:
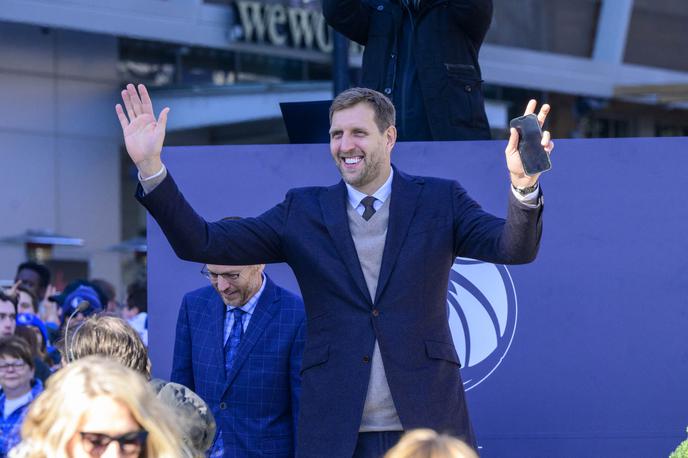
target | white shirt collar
x=382, y=194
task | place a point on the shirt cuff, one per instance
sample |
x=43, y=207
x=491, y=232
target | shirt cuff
x=531, y=200
x=150, y=183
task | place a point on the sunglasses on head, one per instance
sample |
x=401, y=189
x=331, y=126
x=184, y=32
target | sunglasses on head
x=130, y=444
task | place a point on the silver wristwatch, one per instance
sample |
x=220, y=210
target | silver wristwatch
x=527, y=190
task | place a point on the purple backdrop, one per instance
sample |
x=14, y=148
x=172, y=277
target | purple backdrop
x=597, y=365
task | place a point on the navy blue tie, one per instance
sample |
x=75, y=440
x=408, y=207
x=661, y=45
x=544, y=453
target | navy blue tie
x=234, y=339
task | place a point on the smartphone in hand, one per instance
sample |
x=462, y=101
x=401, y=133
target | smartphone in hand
x=533, y=155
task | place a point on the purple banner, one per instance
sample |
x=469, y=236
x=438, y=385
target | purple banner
x=581, y=353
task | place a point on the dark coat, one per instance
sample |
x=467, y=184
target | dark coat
x=446, y=41
x=431, y=221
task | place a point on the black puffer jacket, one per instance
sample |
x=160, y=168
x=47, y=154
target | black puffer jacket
x=446, y=39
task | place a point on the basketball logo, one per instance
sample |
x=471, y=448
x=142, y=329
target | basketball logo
x=482, y=316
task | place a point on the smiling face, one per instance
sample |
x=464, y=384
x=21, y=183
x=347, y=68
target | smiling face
x=361, y=152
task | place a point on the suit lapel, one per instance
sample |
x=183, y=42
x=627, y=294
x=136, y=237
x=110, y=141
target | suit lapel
x=262, y=314
x=334, y=205
x=402, y=208
x=217, y=312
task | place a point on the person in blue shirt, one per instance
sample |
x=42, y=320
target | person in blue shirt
x=18, y=389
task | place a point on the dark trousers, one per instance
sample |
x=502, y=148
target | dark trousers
x=376, y=444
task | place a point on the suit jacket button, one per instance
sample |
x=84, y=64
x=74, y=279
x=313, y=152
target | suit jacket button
x=376, y=312
x=223, y=406
x=366, y=359
x=380, y=7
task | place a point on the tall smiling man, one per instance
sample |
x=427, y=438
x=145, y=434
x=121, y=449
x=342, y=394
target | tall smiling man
x=379, y=357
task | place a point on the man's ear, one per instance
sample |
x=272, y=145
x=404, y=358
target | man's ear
x=391, y=137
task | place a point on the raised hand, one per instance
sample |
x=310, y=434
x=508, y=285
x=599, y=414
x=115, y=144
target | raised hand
x=513, y=158
x=13, y=291
x=143, y=134
x=48, y=308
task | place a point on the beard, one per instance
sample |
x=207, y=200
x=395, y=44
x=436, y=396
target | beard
x=369, y=172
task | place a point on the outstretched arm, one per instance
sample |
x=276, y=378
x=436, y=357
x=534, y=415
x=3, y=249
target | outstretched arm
x=516, y=239
x=251, y=241
x=143, y=134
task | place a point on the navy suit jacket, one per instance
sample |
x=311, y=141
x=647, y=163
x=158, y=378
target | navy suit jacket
x=256, y=405
x=431, y=222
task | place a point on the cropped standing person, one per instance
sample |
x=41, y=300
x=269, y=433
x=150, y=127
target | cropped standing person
x=422, y=54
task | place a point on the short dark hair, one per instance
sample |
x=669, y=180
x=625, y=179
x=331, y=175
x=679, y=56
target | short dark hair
x=7, y=298
x=137, y=296
x=42, y=271
x=16, y=347
x=384, y=109
x=105, y=287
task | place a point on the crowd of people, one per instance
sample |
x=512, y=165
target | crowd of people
x=36, y=322
x=75, y=378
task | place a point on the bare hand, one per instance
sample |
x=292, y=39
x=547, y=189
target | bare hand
x=13, y=291
x=513, y=158
x=143, y=134
x=48, y=308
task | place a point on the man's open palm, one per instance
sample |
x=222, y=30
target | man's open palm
x=143, y=134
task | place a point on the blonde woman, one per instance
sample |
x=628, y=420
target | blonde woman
x=96, y=407
x=113, y=338
x=426, y=443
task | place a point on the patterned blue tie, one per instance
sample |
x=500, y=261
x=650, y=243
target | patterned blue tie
x=232, y=344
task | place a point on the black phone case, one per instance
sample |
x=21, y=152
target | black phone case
x=533, y=155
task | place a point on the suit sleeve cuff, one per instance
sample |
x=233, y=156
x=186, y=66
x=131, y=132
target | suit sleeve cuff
x=152, y=182
x=531, y=200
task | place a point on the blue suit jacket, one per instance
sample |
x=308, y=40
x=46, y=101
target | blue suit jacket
x=256, y=405
x=431, y=222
